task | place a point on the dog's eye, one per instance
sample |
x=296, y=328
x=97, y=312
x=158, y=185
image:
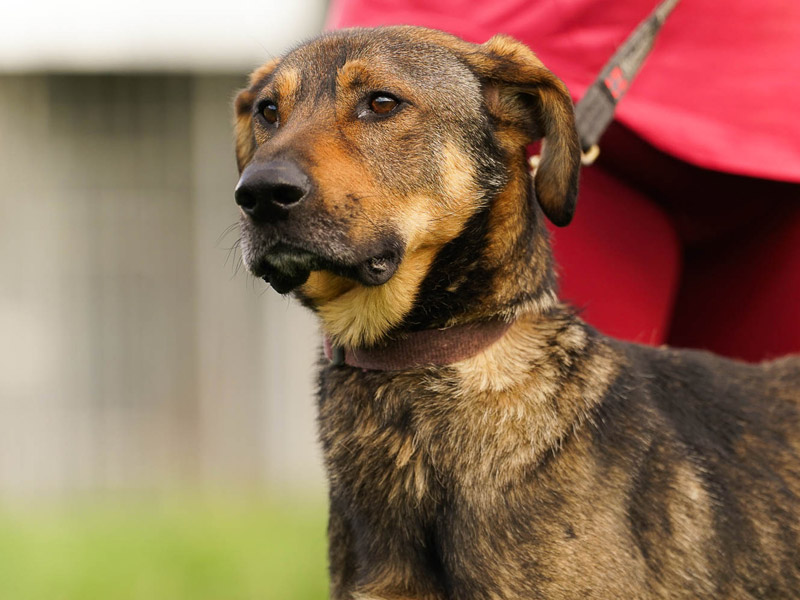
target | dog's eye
x=270, y=113
x=383, y=104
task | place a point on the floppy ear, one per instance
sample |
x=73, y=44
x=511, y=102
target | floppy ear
x=520, y=90
x=243, y=114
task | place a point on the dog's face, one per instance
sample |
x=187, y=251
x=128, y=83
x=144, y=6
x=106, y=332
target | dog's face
x=364, y=152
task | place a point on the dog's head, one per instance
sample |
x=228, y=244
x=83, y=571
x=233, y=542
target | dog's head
x=364, y=153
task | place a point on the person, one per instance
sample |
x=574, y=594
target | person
x=688, y=225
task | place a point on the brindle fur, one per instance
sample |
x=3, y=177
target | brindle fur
x=557, y=463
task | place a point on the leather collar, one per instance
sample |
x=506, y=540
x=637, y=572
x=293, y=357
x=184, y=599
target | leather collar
x=426, y=348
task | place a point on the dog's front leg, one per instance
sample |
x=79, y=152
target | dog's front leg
x=341, y=563
x=393, y=575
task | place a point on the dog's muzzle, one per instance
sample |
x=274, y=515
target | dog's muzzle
x=287, y=236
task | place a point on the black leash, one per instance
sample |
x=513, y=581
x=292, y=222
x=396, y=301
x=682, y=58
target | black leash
x=595, y=111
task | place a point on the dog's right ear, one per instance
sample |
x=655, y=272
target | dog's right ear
x=243, y=114
x=521, y=92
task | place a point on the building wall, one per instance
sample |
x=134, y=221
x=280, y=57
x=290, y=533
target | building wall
x=132, y=355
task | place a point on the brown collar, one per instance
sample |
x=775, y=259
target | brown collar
x=430, y=347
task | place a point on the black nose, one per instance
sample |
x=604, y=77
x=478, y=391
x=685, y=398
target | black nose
x=265, y=189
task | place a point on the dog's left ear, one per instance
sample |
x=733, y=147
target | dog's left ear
x=243, y=114
x=521, y=91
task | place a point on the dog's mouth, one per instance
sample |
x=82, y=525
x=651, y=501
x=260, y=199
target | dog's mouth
x=286, y=267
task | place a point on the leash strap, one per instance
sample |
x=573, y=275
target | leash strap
x=595, y=111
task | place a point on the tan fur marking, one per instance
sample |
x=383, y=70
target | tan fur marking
x=458, y=173
x=323, y=286
x=507, y=47
x=287, y=84
x=362, y=315
x=497, y=368
x=264, y=71
x=352, y=71
x=508, y=218
x=432, y=222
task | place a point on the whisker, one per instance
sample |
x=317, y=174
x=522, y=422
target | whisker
x=232, y=251
x=226, y=231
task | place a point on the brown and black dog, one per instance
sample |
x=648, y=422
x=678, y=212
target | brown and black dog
x=385, y=184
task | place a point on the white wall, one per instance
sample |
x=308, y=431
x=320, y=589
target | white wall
x=131, y=356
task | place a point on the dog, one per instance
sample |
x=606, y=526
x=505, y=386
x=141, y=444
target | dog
x=480, y=440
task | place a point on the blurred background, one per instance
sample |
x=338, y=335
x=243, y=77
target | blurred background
x=157, y=434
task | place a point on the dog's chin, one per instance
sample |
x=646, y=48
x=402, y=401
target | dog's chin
x=286, y=270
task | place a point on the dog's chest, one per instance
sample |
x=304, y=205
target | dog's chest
x=414, y=465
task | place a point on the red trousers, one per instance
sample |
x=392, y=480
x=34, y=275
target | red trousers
x=661, y=251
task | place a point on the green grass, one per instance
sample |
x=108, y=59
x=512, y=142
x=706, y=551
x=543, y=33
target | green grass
x=189, y=550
